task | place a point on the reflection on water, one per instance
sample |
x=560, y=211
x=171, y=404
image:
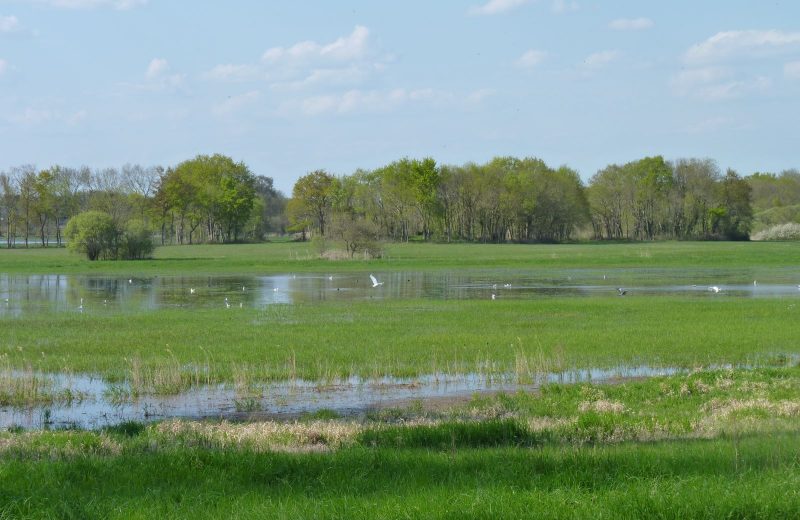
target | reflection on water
x=352, y=397
x=74, y=293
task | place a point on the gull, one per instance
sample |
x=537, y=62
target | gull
x=494, y=286
x=81, y=306
x=191, y=290
x=130, y=280
x=494, y=296
x=755, y=283
x=507, y=285
x=330, y=277
x=243, y=288
x=621, y=291
x=714, y=289
x=375, y=281
x=274, y=289
x=227, y=305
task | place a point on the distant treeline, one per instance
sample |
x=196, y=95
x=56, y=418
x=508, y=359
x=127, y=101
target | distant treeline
x=215, y=199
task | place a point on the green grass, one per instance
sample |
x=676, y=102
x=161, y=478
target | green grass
x=719, y=444
x=173, y=348
x=300, y=257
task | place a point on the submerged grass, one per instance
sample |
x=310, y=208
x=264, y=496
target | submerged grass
x=172, y=349
x=567, y=452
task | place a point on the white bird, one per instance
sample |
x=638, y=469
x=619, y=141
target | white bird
x=191, y=290
x=494, y=286
x=274, y=289
x=755, y=283
x=714, y=288
x=507, y=285
x=375, y=281
x=227, y=305
x=494, y=296
x=621, y=291
x=330, y=277
x=130, y=280
x=243, y=288
x=81, y=306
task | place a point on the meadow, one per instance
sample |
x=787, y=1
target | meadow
x=719, y=439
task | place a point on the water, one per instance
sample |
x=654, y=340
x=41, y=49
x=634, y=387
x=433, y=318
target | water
x=21, y=295
x=353, y=397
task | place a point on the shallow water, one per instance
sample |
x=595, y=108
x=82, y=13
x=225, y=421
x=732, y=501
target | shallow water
x=351, y=397
x=20, y=295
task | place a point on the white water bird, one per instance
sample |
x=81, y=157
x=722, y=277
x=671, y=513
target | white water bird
x=274, y=289
x=81, y=306
x=191, y=290
x=375, y=281
x=227, y=305
x=714, y=289
x=755, y=283
x=507, y=285
x=130, y=280
x=494, y=286
x=243, y=288
x=330, y=277
x=494, y=296
x=621, y=291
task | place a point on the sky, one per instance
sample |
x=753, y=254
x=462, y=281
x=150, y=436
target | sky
x=291, y=87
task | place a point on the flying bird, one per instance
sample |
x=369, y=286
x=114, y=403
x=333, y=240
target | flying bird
x=375, y=281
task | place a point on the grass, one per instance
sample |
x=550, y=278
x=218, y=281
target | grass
x=300, y=257
x=720, y=444
x=169, y=350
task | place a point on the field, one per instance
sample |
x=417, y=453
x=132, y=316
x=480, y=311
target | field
x=717, y=439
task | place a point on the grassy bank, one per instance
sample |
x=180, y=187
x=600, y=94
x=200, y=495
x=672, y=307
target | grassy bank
x=173, y=348
x=705, y=445
x=302, y=257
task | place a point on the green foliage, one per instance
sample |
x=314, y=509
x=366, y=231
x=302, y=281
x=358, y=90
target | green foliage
x=137, y=241
x=94, y=234
x=312, y=199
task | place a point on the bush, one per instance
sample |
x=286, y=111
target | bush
x=93, y=233
x=137, y=241
x=97, y=235
x=788, y=231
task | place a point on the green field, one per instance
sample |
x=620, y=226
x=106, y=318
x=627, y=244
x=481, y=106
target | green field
x=287, y=257
x=719, y=444
x=707, y=443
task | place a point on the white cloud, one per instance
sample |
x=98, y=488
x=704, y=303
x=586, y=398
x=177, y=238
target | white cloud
x=710, y=125
x=157, y=76
x=9, y=24
x=716, y=84
x=351, y=47
x=792, y=69
x=76, y=117
x=496, y=7
x=3, y=66
x=156, y=68
x=600, y=59
x=236, y=103
x=121, y=5
x=564, y=6
x=369, y=101
x=631, y=24
x=31, y=116
x=738, y=44
x=531, y=58
x=478, y=96
x=232, y=72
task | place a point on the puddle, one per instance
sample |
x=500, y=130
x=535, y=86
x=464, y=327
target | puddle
x=21, y=295
x=288, y=400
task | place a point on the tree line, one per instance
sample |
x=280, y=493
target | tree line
x=205, y=199
x=507, y=199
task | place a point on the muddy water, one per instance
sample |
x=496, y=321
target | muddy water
x=20, y=295
x=286, y=400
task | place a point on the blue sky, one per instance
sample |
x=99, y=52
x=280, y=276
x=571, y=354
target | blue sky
x=289, y=87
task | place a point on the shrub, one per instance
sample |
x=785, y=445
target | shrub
x=137, y=241
x=93, y=233
x=788, y=231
